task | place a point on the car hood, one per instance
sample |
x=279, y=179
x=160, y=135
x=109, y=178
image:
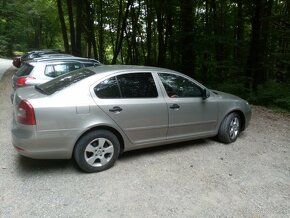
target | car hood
x=226, y=96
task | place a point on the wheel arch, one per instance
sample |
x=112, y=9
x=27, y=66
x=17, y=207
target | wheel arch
x=242, y=116
x=103, y=127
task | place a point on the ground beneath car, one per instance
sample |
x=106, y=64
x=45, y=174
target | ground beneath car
x=204, y=178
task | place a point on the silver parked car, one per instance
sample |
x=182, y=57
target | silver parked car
x=41, y=70
x=93, y=114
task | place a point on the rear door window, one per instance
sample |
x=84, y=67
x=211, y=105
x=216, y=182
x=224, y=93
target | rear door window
x=108, y=89
x=137, y=85
x=131, y=85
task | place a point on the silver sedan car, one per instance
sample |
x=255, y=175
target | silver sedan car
x=94, y=114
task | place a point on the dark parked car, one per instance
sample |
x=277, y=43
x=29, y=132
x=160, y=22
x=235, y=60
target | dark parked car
x=19, y=59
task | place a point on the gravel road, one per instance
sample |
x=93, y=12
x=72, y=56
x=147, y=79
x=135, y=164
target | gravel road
x=204, y=178
x=4, y=65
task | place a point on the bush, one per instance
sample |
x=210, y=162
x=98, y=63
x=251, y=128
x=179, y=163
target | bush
x=270, y=94
x=273, y=94
x=3, y=46
x=235, y=88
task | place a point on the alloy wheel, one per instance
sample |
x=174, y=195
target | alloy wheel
x=99, y=152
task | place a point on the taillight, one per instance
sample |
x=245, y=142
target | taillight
x=21, y=81
x=25, y=113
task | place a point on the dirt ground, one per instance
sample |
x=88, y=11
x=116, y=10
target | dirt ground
x=203, y=178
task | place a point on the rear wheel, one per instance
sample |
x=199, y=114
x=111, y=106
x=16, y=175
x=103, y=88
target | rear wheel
x=97, y=151
x=230, y=128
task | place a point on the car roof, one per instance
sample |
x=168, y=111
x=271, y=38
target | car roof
x=102, y=70
x=43, y=51
x=51, y=56
x=127, y=68
x=96, y=74
x=61, y=59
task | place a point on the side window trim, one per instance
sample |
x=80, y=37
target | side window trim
x=118, y=84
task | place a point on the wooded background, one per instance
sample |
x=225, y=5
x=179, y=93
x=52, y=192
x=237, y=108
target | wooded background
x=242, y=47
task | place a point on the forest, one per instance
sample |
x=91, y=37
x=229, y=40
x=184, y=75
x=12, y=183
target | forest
x=241, y=47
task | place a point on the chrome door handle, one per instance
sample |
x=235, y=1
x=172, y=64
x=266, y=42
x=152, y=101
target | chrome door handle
x=115, y=109
x=175, y=106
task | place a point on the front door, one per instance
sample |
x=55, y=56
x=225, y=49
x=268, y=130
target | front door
x=190, y=116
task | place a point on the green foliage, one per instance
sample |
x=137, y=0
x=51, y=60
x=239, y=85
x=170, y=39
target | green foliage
x=231, y=52
x=273, y=94
x=28, y=24
x=3, y=46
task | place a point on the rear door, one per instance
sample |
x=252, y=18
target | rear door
x=136, y=105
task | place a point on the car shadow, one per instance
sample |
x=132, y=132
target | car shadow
x=165, y=148
x=27, y=166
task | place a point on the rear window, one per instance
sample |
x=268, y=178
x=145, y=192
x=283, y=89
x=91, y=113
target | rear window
x=63, y=81
x=24, y=70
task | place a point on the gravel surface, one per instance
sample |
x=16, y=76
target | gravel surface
x=203, y=178
x=4, y=64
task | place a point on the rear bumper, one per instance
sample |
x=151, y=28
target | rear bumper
x=43, y=145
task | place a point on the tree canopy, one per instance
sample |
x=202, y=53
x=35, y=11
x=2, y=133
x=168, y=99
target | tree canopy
x=233, y=45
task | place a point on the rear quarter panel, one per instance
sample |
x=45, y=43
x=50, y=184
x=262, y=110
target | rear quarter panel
x=64, y=117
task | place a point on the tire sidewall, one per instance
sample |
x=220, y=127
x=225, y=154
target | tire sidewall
x=230, y=119
x=224, y=130
x=85, y=140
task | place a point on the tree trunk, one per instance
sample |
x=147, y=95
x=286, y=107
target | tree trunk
x=218, y=30
x=206, y=53
x=71, y=26
x=134, y=33
x=101, y=32
x=256, y=69
x=169, y=41
x=63, y=27
x=149, y=20
x=239, y=31
x=78, y=43
x=187, y=52
x=159, y=4
x=121, y=36
x=89, y=29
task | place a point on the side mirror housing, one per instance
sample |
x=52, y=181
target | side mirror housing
x=205, y=94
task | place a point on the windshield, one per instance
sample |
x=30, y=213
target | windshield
x=63, y=81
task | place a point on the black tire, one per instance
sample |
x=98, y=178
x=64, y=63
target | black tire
x=97, y=151
x=230, y=128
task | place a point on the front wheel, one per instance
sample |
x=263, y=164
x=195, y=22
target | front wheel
x=97, y=151
x=230, y=128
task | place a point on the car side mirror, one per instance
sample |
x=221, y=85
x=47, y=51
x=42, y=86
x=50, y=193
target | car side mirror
x=205, y=94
